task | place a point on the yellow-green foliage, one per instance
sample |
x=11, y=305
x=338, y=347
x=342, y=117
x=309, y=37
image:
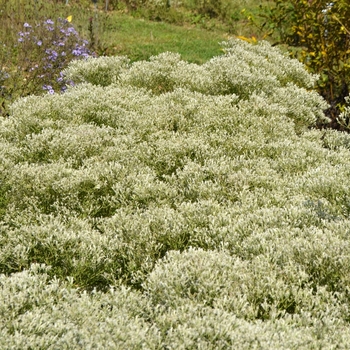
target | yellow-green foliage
x=344, y=117
x=163, y=204
x=320, y=32
x=222, y=9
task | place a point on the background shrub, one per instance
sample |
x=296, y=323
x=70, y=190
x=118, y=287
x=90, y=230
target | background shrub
x=318, y=34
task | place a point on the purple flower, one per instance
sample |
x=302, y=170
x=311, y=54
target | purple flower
x=76, y=52
x=49, y=89
x=55, y=49
x=52, y=54
x=72, y=30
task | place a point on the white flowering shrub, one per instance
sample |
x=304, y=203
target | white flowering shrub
x=99, y=71
x=42, y=313
x=162, y=204
x=245, y=70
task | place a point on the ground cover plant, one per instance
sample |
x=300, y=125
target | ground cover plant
x=164, y=204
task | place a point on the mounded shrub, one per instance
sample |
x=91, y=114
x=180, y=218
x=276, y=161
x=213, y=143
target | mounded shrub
x=162, y=204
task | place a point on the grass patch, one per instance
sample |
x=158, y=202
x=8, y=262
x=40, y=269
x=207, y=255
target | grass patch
x=139, y=39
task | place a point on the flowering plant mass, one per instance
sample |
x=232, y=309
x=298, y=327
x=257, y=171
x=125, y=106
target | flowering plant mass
x=47, y=48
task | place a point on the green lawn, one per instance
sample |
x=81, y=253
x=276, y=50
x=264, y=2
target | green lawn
x=139, y=39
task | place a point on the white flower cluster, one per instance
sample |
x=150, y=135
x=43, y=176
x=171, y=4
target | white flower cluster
x=102, y=71
x=245, y=70
x=162, y=204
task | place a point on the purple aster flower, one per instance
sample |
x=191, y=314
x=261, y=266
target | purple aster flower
x=39, y=43
x=49, y=21
x=27, y=25
x=49, y=89
x=76, y=52
x=72, y=30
